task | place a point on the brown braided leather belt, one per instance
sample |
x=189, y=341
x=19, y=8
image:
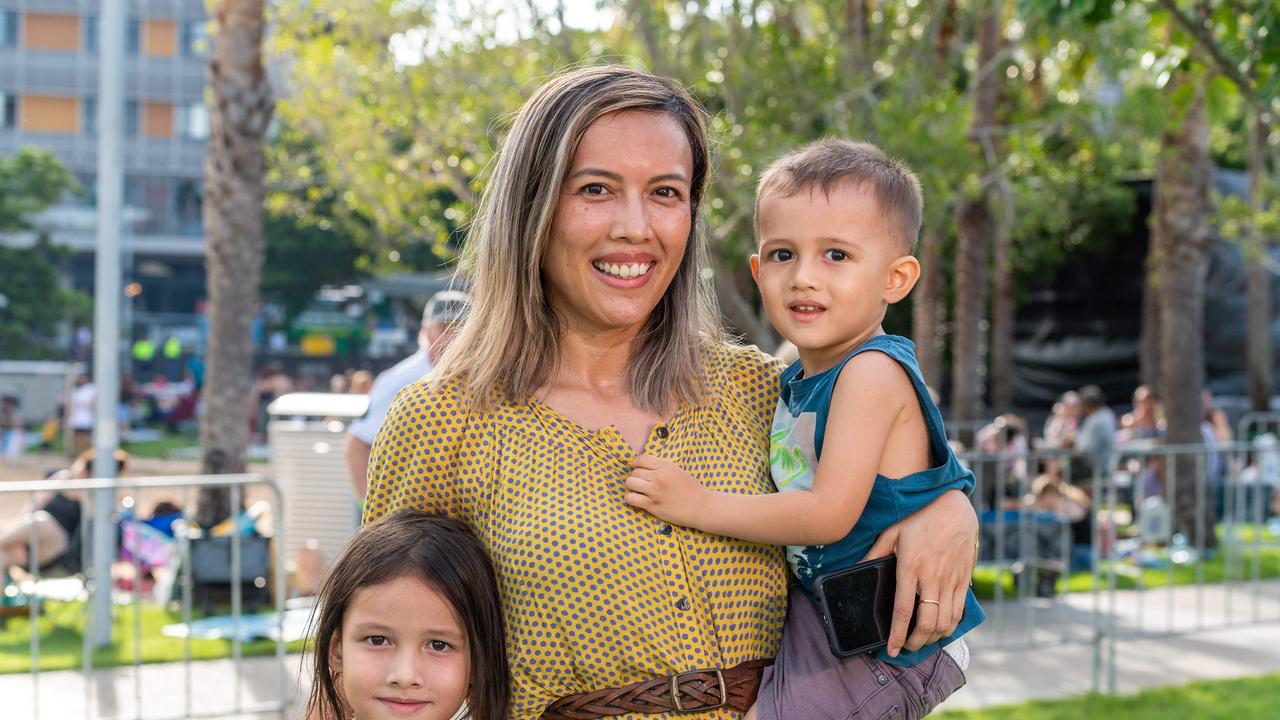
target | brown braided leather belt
x=694, y=691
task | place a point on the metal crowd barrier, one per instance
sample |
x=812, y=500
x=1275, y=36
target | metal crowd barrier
x=276, y=707
x=1253, y=424
x=1228, y=490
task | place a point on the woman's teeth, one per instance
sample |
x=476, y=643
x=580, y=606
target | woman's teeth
x=805, y=308
x=626, y=270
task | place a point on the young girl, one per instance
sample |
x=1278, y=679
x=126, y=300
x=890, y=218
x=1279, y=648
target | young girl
x=409, y=626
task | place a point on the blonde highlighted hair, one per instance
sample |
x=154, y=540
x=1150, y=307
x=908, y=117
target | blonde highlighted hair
x=509, y=345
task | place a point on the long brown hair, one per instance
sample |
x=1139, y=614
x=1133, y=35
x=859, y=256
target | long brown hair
x=509, y=345
x=444, y=554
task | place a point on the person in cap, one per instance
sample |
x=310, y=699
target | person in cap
x=439, y=318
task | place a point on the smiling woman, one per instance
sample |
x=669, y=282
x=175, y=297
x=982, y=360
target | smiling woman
x=592, y=340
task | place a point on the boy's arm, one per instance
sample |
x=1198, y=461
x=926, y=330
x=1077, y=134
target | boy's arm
x=866, y=404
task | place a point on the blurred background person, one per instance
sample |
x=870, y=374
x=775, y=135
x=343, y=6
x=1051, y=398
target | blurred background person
x=1146, y=420
x=1096, y=438
x=439, y=319
x=12, y=431
x=56, y=520
x=1063, y=421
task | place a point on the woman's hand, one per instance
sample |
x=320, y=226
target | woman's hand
x=937, y=549
x=663, y=488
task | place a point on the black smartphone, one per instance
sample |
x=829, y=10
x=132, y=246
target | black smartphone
x=856, y=605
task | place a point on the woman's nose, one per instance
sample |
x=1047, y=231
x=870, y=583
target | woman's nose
x=631, y=221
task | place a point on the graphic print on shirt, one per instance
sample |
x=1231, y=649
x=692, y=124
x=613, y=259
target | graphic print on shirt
x=792, y=460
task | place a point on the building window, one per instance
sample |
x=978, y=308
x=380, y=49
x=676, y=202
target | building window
x=132, y=36
x=158, y=39
x=44, y=114
x=195, y=38
x=44, y=31
x=188, y=199
x=89, y=115
x=157, y=120
x=90, y=39
x=131, y=124
x=8, y=28
x=8, y=110
x=193, y=121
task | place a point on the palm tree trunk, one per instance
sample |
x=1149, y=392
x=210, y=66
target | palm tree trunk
x=1258, y=340
x=927, y=310
x=1181, y=235
x=1002, y=311
x=974, y=227
x=1149, y=349
x=233, y=224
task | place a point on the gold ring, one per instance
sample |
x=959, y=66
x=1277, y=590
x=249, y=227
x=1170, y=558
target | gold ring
x=931, y=602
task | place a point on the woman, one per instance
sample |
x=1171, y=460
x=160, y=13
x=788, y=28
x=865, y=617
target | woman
x=55, y=520
x=592, y=338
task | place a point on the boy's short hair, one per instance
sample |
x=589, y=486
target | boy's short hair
x=825, y=164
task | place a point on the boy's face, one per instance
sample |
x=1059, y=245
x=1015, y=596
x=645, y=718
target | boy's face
x=827, y=267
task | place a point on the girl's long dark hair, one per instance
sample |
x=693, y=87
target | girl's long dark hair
x=444, y=554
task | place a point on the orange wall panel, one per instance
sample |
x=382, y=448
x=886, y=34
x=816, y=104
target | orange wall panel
x=157, y=120
x=43, y=31
x=42, y=114
x=159, y=38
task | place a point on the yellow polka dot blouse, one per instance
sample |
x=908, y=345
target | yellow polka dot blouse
x=597, y=594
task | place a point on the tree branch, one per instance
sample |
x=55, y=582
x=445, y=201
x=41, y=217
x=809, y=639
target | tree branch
x=1220, y=59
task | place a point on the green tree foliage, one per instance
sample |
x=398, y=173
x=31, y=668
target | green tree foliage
x=397, y=108
x=35, y=305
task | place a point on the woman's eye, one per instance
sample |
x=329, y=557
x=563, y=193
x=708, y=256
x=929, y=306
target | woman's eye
x=594, y=189
x=377, y=640
x=439, y=645
x=780, y=255
x=837, y=255
x=668, y=192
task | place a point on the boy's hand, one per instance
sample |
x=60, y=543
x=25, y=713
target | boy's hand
x=663, y=488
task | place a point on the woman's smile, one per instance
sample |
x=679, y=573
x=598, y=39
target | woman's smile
x=625, y=270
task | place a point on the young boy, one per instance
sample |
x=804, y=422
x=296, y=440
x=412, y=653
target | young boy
x=857, y=444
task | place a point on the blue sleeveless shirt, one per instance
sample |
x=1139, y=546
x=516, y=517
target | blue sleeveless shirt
x=795, y=446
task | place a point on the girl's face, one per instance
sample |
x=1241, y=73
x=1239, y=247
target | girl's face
x=622, y=221
x=403, y=653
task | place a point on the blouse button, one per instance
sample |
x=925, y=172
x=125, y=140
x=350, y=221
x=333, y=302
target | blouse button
x=665, y=530
x=661, y=432
x=682, y=604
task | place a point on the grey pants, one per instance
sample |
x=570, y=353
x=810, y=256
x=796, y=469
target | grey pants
x=807, y=681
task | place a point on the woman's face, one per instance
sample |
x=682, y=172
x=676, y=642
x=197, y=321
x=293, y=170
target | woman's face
x=622, y=222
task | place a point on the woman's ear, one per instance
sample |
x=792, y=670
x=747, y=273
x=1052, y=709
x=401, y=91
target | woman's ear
x=335, y=654
x=902, y=277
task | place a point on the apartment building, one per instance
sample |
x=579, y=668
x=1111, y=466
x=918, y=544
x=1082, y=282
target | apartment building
x=49, y=64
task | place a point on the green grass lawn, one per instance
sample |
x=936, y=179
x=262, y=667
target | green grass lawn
x=1243, y=699
x=1130, y=577
x=60, y=630
x=158, y=449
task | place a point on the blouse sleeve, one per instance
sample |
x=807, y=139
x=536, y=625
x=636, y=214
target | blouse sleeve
x=431, y=454
x=754, y=384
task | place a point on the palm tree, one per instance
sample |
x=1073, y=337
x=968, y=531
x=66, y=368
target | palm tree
x=1181, y=238
x=975, y=224
x=234, y=172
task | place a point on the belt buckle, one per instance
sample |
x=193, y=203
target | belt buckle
x=675, y=691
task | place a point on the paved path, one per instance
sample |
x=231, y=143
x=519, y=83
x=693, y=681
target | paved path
x=1004, y=669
